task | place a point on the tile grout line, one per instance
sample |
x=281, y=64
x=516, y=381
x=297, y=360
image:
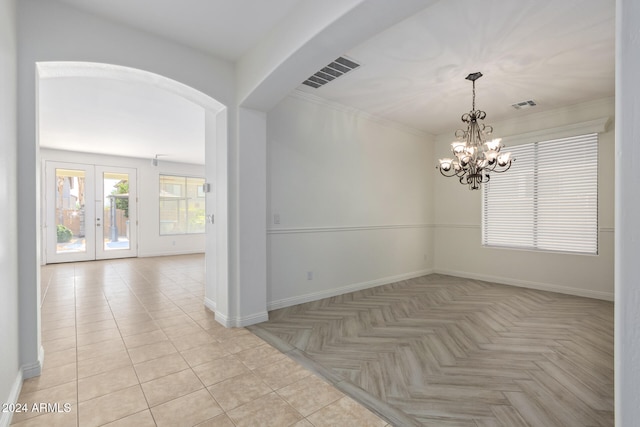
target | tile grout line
x=169, y=339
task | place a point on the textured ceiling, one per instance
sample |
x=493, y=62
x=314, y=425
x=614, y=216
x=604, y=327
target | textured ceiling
x=557, y=53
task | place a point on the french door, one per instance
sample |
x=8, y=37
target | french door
x=90, y=212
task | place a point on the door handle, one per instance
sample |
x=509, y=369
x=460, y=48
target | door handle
x=211, y=219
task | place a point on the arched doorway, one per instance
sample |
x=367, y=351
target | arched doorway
x=215, y=142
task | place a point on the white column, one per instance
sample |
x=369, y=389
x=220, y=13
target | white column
x=627, y=234
x=241, y=296
x=252, y=224
x=31, y=352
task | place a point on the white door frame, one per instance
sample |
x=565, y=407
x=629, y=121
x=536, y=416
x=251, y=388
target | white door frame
x=94, y=222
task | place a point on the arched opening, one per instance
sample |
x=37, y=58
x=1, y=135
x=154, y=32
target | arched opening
x=213, y=116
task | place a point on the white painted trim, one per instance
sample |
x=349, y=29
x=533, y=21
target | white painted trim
x=239, y=322
x=210, y=304
x=253, y=319
x=148, y=254
x=296, y=230
x=34, y=369
x=457, y=226
x=299, y=94
x=314, y=296
x=223, y=320
x=607, y=296
x=14, y=394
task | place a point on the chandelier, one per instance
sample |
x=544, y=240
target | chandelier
x=474, y=156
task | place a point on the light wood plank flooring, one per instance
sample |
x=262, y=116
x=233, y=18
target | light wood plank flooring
x=444, y=351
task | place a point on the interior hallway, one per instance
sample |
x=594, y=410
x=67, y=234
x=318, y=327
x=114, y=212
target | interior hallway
x=129, y=343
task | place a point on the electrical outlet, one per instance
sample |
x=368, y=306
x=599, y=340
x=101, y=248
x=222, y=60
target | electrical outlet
x=309, y=275
x=276, y=218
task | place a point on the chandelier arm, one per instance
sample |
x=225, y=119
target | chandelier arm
x=444, y=174
x=491, y=167
x=506, y=167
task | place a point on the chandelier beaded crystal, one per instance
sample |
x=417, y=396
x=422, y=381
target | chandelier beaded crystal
x=474, y=156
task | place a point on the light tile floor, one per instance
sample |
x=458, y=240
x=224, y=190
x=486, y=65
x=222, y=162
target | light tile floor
x=129, y=343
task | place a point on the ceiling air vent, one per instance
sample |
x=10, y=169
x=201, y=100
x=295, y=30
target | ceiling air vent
x=524, y=104
x=332, y=71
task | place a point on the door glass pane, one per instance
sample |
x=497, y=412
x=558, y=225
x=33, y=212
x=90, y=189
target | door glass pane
x=115, y=217
x=70, y=203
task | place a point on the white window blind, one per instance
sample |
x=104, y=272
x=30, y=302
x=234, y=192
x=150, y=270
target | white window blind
x=548, y=200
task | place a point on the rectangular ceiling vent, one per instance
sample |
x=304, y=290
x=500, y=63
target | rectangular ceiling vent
x=331, y=72
x=524, y=104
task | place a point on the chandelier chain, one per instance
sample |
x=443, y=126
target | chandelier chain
x=473, y=102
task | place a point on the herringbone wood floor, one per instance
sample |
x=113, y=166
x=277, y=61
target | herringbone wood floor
x=444, y=351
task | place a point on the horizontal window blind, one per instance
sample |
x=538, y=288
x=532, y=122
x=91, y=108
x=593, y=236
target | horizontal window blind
x=548, y=200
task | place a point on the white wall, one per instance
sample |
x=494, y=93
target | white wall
x=458, y=248
x=353, y=199
x=627, y=309
x=10, y=372
x=150, y=242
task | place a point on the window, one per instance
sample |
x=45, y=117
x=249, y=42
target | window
x=182, y=205
x=548, y=200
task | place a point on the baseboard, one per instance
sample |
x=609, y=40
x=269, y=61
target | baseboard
x=287, y=302
x=14, y=394
x=239, y=322
x=606, y=296
x=210, y=304
x=34, y=369
x=223, y=320
x=167, y=253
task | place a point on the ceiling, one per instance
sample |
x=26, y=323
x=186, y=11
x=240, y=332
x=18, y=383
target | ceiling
x=109, y=116
x=223, y=28
x=557, y=53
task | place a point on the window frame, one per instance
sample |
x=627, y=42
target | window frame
x=540, y=148
x=180, y=199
